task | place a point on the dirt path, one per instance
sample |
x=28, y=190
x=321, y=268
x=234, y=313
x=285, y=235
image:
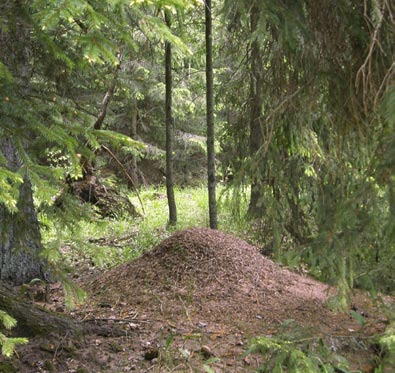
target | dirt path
x=197, y=299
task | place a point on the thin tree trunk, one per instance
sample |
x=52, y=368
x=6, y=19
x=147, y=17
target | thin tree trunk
x=107, y=97
x=210, y=119
x=88, y=165
x=255, y=208
x=133, y=162
x=169, y=132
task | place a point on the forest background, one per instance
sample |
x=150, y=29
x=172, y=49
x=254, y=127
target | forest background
x=304, y=113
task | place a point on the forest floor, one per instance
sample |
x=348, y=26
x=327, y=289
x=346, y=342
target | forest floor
x=193, y=304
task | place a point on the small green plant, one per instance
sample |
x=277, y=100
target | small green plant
x=207, y=365
x=172, y=356
x=8, y=344
x=293, y=351
x=168, y=352
x=387, y=343
x=358, y=317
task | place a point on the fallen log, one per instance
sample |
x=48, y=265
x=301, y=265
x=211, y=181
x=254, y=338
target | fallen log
x=33, y=320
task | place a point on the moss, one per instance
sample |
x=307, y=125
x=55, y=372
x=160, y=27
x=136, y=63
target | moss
x=7, y=367
x=116, y=347
x=49, y=366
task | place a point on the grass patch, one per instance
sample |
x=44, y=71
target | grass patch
x=109, y=242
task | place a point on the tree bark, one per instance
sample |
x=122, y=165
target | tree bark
x=107, y=97
x=169, y=131
x=212, y=202
x=33, y=320
x=20, y=239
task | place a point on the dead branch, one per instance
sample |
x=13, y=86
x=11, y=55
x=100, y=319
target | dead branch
x=113, y=156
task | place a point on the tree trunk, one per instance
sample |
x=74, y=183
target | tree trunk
x=210, y=119
x=20, y=240
x=33, y=320
x=255, y=208
x=169, y=132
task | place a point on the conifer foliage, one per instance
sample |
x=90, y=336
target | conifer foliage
x=53, y=55
x=320, y=124
x=301, y=93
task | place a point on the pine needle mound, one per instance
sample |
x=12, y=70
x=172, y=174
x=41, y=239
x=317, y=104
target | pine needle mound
x=207, y=275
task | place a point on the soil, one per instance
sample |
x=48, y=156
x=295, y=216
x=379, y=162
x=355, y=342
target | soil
x=193, y=304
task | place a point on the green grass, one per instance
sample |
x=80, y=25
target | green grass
x=191, y=207
x=109, y=242
x=192, y=211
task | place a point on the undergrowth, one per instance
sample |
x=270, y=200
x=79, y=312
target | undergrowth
x=296, y=350
x=111, y=241
x=292, y=349
x=108, y=242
